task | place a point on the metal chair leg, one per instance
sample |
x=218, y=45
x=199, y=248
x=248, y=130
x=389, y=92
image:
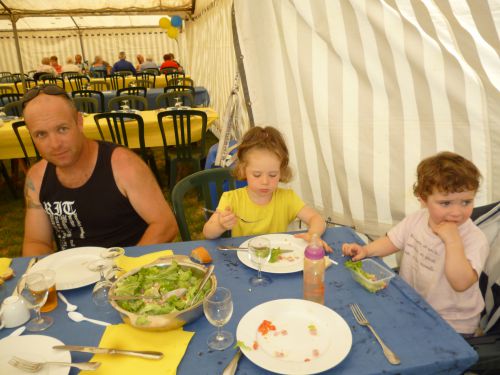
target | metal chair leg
x=7, y=179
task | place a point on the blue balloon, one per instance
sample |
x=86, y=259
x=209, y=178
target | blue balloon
x=176, y=21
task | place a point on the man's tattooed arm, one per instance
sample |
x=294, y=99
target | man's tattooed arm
x=29, y=188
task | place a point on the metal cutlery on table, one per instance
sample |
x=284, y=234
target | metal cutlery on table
x=361, y=319
x=235, y=248
x=233, y=364
x=243, y=220
x=96, y=350
x=30, y=366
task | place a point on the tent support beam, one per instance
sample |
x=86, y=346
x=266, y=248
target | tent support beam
x=14, y=20
x=80, y=37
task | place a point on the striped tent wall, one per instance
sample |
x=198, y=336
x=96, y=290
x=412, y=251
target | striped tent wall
x=365, y=89
x=105, y=42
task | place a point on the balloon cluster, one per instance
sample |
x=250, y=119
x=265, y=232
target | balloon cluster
x=172, y=26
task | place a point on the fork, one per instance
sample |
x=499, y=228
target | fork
x=361, y=319
x=243, y=220
x=29, y=366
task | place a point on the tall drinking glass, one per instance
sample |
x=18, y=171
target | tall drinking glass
x=259, y=251
x=218, y=309
x=34, y=288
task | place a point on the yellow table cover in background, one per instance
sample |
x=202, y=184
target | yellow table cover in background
x=10, y=148
x=4, y=264
x=172, y=344
x=128, y=263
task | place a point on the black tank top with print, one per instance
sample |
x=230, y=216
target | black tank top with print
x=94, y=214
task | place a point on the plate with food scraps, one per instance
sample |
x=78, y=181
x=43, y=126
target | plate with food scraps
x=294, y=336
x=279, y=262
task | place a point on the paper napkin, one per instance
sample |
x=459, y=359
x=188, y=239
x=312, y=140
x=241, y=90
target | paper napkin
x=128, y=263
x=4, y=264
x=172, y=344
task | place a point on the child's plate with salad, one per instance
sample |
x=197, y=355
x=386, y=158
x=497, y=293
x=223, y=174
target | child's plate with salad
x=280, y=262
x=294, y=336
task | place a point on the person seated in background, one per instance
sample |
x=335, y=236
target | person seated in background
x=148, y=64
x=263, y=163
x=100, y=65
x=86, y=192
x=122, y=64
x=443, y=250
x=140, y=60
x=70, y=66
x=169, y=62
x=44, y=68
x=83, y=65
x=55, y=64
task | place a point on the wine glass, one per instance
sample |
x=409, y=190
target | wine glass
x=35, y=290
x=125, y=106
x=111, y=254
x=178, y=101
x=101, y=288
x=259, y=251
x=218, y=309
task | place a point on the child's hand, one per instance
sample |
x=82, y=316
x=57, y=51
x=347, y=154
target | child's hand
x=354, y=250
x=227, y=219
x=308, y=236
x=447, y=231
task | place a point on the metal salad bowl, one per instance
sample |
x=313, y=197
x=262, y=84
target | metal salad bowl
x=173, y=320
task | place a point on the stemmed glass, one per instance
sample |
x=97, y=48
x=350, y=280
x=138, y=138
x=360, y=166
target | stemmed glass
x=125, y=106
x=111, y=254
x=35, y=290
x=178, y=101
x=218, y=309
x=101, y=288
x=259, y=251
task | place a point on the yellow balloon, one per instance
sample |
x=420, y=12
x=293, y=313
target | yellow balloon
x=164, y=23
x=172, y=32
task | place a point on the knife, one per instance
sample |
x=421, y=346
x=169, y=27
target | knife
x=96, y=350
x=231, y=248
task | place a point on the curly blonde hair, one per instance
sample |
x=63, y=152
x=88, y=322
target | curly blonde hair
x=269, y=139
x=445, y=172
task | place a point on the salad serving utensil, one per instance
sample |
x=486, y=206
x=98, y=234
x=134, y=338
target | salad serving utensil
x=176, y=292
x=235, y=248
x=96, y=350
x=239, y=217
x=361, y=319
x=30, y=366
x=208, y=273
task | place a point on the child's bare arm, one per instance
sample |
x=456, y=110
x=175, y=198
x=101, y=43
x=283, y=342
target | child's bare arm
x=457, y=268
x=380, y=247
x=315, y=223
x=218, y=223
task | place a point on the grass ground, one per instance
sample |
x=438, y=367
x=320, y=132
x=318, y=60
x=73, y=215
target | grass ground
x=12, y=210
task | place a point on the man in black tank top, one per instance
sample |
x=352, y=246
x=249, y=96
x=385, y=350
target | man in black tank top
x=84, y=192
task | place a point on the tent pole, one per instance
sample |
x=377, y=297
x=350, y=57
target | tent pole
x=14, y=19
x=81, y=40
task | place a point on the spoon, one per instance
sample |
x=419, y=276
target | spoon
x=78, y=317
x=233, y=365
x=69, y=306
x=208, y=273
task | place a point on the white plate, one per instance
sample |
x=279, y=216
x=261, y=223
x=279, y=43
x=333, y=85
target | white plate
x=290, y=262
x=71, y=266
x=309, y=337
x=35, y=348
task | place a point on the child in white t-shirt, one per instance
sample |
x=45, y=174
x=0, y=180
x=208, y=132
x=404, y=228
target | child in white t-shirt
x=443, y=250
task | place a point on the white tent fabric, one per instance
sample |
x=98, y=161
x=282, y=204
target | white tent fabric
x=364, y=89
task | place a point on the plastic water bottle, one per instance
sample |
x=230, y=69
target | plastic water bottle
x=314, y=271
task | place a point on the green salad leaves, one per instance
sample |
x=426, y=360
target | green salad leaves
x=151, y=283
x=366, y=279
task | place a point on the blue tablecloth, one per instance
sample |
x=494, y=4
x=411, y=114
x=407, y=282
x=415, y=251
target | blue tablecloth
x=201, y=97
x=425, y=343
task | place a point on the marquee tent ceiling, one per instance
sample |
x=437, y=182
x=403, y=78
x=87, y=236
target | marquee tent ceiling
x=89, y=14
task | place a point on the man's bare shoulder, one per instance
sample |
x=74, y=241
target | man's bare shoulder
x=124, y=159
x=36, y=172
x=32, y=184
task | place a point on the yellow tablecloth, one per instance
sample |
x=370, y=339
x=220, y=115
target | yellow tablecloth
x=160, y=82
x=10, y=148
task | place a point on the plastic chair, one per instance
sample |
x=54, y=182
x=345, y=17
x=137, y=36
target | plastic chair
x=78, y=82
x=29, y=83
x=181, y=81
x=54, y=81
x=68, y=75
x=181, y=88
x=13, y=108
x=5, y=74
x=9, y=98
x=154, y=71
x=86, y=104
x=16, y=126
x=98, y=73
x=184, y=151
x=146, y=76
x=134, y=102
x=8, y=79
x=142, y=83
x=138, y=90
x=5, y=173
x=117, y=81
x=169, y=70
x=209, y=181
x=91, y=94
x=124, y=73
x=168, y=99
x=116, y=124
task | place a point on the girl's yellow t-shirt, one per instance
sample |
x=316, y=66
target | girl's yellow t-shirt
x=273, y=217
